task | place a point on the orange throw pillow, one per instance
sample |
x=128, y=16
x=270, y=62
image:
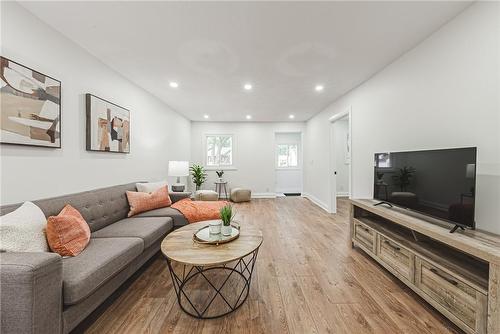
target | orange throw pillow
x=140, y=202
x=68, y=233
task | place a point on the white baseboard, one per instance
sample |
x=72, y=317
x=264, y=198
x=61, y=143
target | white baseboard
x=289, y=191
x=263, y=195
x=342, y=194
x=316, y=201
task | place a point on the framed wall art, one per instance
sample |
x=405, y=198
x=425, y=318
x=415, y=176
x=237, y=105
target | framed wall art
x=30, y=112
x=108, y=126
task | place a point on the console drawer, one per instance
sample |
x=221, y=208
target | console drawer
x=397, y=257
x=464, y=302
x=365, y=236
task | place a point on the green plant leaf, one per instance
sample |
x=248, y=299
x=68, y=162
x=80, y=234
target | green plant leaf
x=227, y=214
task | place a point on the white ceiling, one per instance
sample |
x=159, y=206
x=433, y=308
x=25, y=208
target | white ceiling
x=212, y=48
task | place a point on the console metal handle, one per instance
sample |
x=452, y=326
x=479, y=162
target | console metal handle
x=437, y=273
x=392, y=246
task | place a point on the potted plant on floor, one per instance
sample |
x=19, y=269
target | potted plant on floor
x=226, y=215
x=198, y=174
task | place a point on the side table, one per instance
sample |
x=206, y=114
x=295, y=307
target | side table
x=218, y=188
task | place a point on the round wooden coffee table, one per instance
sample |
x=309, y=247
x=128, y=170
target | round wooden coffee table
x=211, y=281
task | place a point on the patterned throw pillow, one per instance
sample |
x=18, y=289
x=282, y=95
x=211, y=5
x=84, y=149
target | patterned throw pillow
x=140, y=202
x=23, y=230
x=68, y=233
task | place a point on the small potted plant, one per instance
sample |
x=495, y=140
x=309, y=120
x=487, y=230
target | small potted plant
x=226, y=215
x=219, y=174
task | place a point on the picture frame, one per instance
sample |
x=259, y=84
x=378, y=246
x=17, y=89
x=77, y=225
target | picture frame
x=30, y=106
x=107, y=126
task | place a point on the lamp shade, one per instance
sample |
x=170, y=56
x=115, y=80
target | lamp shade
x=178, y=168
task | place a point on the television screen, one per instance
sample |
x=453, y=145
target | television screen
x=438, y=183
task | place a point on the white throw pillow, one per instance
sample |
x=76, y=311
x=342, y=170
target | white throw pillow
x=149, y=187
x=23, y=230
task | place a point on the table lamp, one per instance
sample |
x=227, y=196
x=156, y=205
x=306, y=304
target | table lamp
x=178, y=169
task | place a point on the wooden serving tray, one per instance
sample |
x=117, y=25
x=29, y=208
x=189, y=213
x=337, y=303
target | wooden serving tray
x=203, y=235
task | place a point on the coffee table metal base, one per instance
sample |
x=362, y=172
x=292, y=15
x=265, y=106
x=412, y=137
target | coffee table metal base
x=243, y=267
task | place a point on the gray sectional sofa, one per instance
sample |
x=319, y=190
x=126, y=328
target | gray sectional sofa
x=45, y=293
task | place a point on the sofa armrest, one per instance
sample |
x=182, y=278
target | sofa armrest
x=177, y=196
x=30, y=292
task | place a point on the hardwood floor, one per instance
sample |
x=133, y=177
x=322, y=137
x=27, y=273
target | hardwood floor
x=307, y=280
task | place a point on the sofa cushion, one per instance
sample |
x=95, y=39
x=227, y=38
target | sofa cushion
x=99, y=207
x=177, y=196
x=23, y=230
x=149, y=187
x=141, y=202
x=149, y=229
x=68, y=233
x=176, y=215
x=100, y=261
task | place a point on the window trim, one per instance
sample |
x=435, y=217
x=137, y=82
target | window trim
x=205, y=147
x=299, y=160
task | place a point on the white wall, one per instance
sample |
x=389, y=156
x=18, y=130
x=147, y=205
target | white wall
x=289, y=180
x=443, y=93
x=158, y=134
x=340, y=131
x=253, y=156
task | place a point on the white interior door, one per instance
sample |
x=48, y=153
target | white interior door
x=288, y=162
x=333, y=171
x=342, y=157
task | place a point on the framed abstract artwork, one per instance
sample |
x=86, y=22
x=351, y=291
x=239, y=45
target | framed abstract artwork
x=108, y=126
x=30, y=110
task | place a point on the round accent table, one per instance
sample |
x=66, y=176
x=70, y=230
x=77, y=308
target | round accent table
x=211, y=281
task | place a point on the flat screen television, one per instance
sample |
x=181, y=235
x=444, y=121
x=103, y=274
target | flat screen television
x=438, y=183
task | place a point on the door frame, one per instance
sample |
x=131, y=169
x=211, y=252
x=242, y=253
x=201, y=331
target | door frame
x=300, y=157
x=333, y=163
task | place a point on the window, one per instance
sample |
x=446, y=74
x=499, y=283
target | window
x=219, y=150
x=287, y=155
x=383, y=160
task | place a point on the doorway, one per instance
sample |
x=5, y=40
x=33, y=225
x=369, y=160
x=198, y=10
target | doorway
x=288, y=163
x=341, y=155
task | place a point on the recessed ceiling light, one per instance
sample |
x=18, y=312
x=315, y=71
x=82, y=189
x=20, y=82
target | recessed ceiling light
x=248, y=86
x=291, y=116
x=248, y=116
x=206, y=116
x=173, y=84
x=319, y=88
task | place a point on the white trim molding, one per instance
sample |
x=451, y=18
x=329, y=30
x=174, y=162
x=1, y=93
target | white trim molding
x=340, y=115
x=212, y=168
x=205, y=147
x=316, y=201
x=263, y=195
x=333, y=198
